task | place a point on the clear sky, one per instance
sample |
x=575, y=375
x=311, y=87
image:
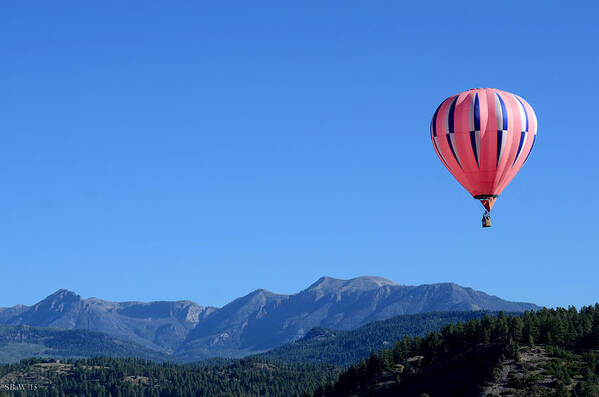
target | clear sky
x=201, y=150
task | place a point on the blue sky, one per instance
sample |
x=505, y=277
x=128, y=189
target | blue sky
x=201, y=150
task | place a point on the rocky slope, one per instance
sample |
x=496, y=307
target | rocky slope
x=157, y=325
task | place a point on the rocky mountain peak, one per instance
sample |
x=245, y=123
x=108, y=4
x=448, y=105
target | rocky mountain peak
x=59, y=300
x=364, y=283
x=62, y=292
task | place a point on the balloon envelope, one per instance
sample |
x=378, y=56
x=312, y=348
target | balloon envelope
x=483, y=136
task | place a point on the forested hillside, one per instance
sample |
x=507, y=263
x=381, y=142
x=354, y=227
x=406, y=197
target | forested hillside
x=327, y=346
x=105, y=377
x=17, y=342
x=545, y=353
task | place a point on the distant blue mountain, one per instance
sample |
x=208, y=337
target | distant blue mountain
x=256, y=322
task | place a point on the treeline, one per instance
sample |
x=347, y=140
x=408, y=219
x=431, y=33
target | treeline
x=57, y=343
x=462, y=356
x=345, y=348
x=122, y=377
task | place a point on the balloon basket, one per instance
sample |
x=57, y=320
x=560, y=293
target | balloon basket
x=486, y=221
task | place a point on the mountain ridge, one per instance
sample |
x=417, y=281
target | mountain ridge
x=256, y=322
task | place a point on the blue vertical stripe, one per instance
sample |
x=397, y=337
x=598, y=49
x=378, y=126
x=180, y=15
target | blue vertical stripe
x=476, y=113
x=434, y=122
x=534, y=138
x=448, y=136
x=525, y=114
x=451, y=114
x=499, y=144
x=503, y=111
x=473, y=143
x=522, y=136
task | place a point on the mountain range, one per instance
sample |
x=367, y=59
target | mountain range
x=254, y=323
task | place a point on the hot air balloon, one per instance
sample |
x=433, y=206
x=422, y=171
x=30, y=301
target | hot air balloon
x=483, y=136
